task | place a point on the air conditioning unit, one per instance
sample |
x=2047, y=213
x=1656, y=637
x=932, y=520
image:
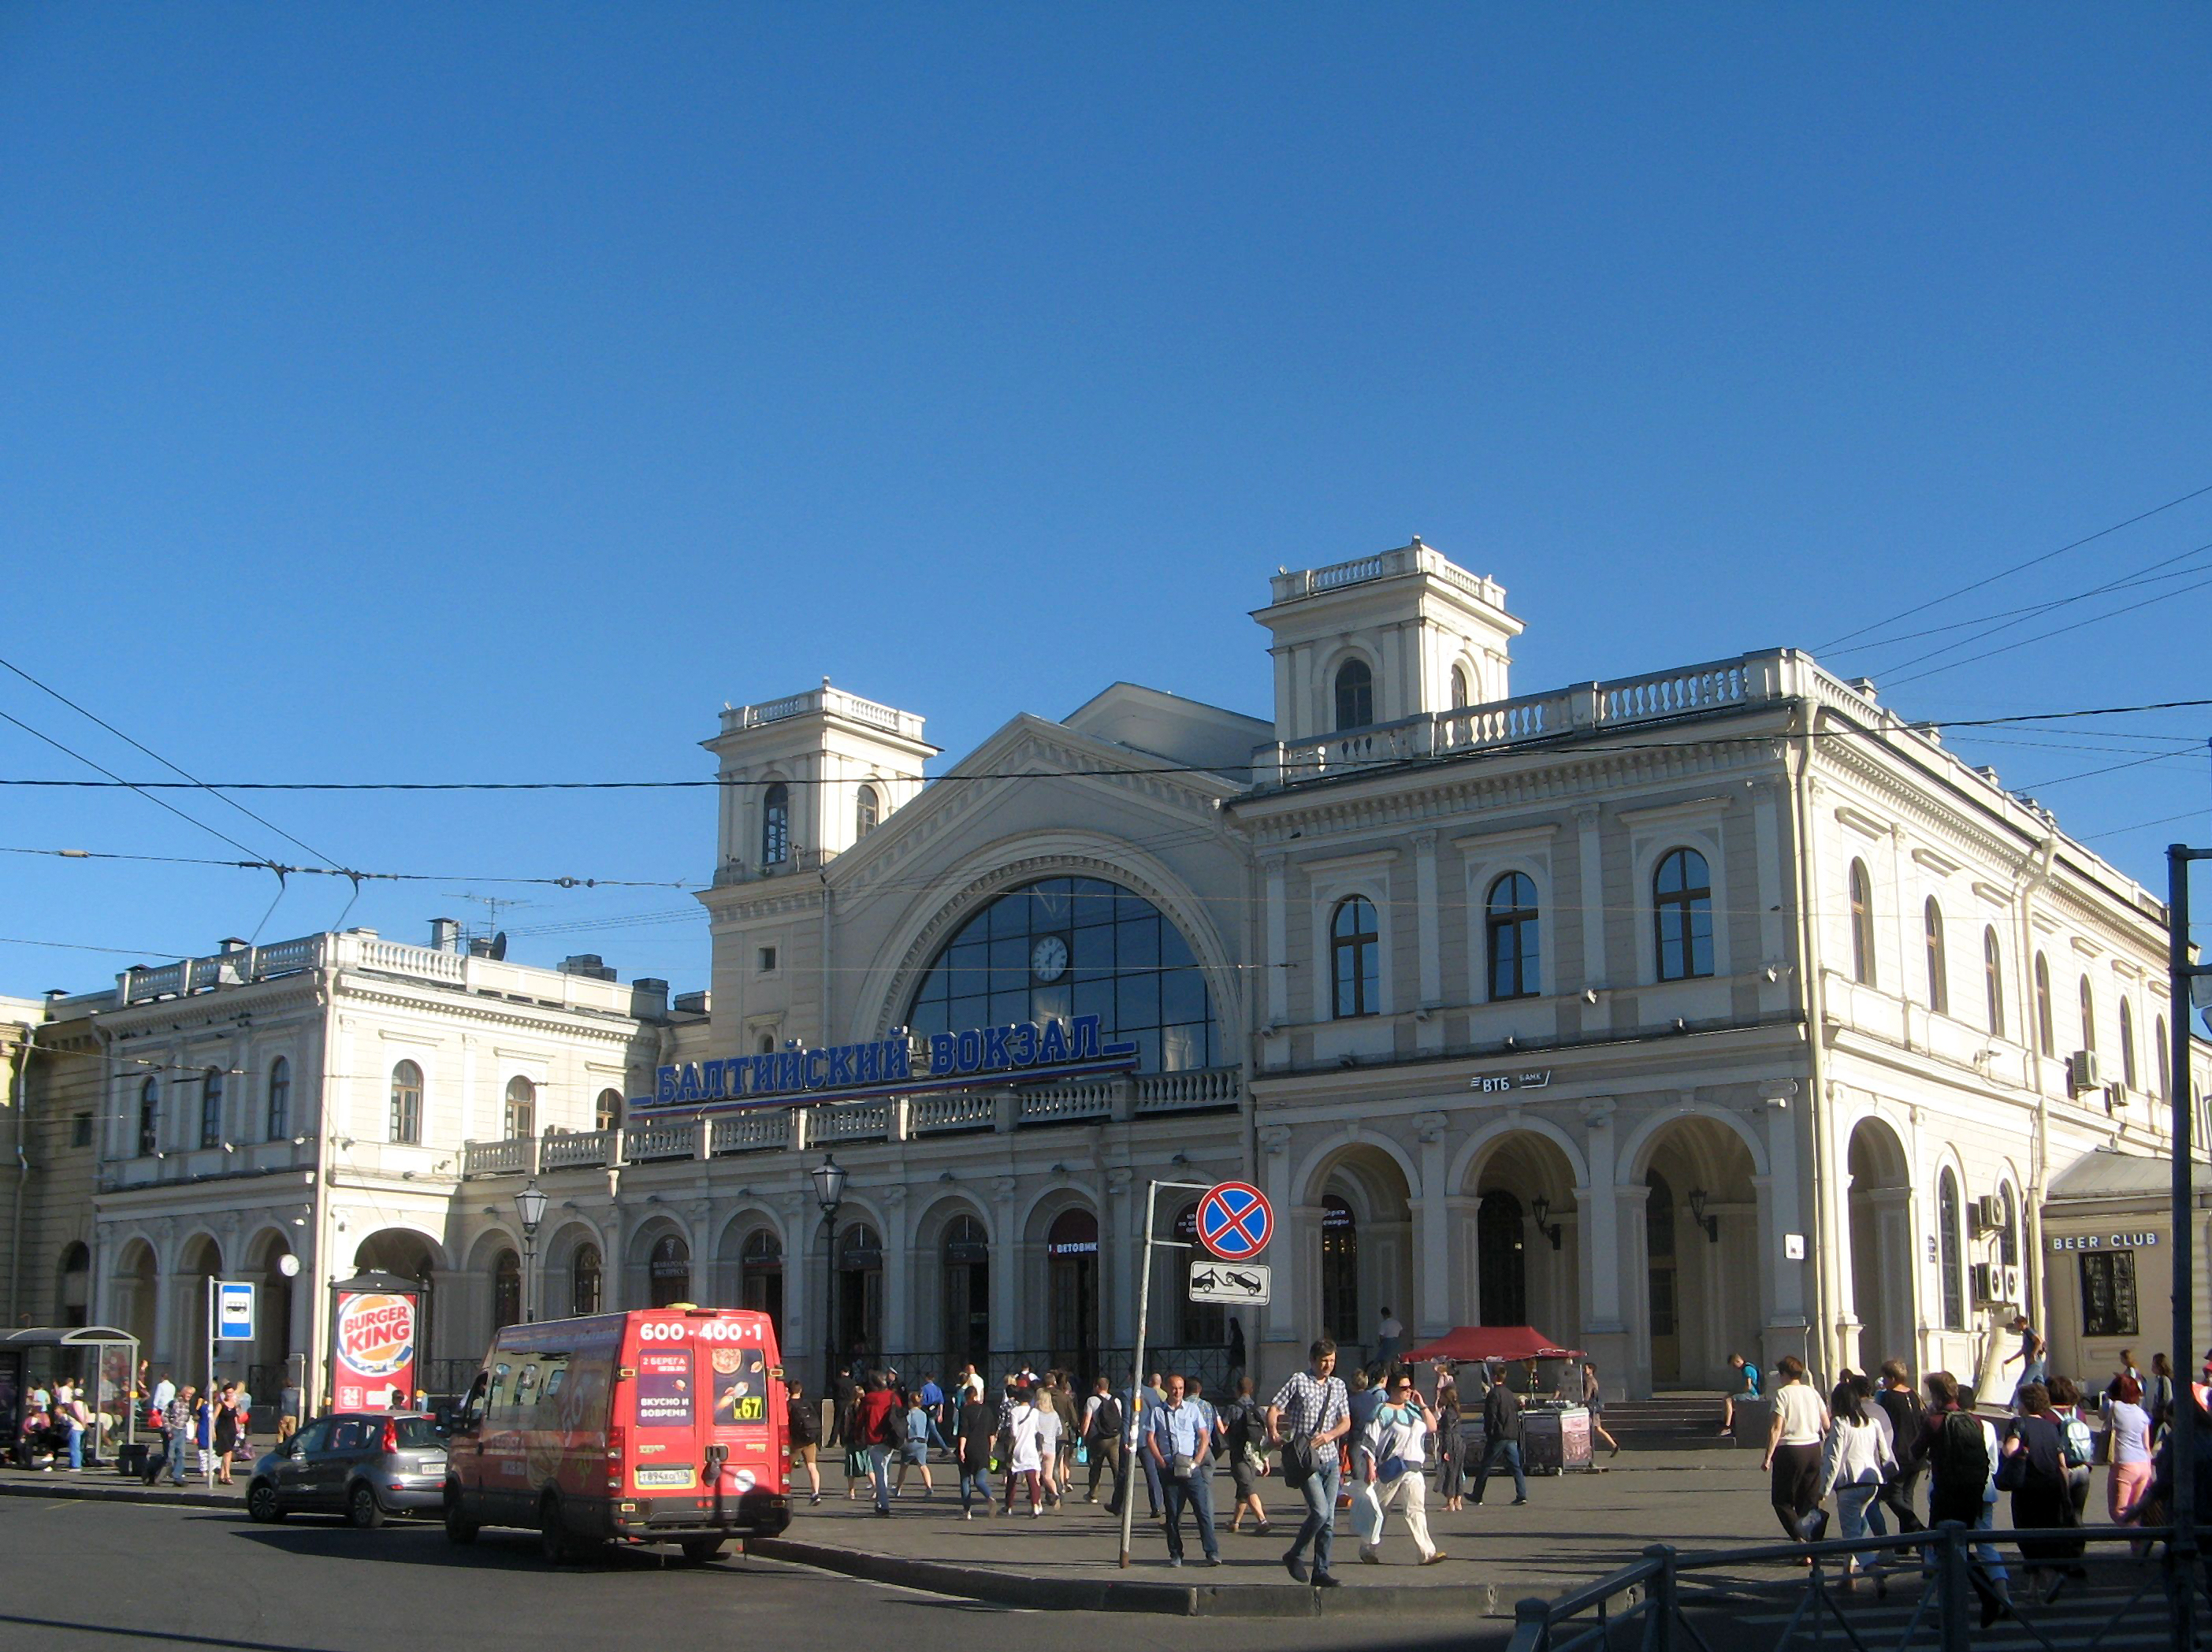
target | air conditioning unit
x=1989, y=1215
x=1988, y=1284
x=2012, y=1286
x=2082, y=1073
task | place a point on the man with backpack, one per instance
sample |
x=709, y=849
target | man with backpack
x=1961, y=1451
x=1101, y=1440
x=880, y=1423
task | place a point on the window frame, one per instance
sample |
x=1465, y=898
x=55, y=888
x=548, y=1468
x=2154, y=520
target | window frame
x=867, y=810
x=404, y=1120
x=211, y=1099
x=1460, y=685
x=1858, y=889
x=1950, y=1251
x=775, y=825
x=1365, y=948
x=527, y=1101
x=2129, y=1071
x=277, y=1113
x=2046, y=1031
x=1939, y=962
x=1520, y=927
x=1349, y=694
x=1679, y=910
x=597, y=1273
x=1993, y=980
x=149, y=1118
x=2088, y=1016
x=603, y=1116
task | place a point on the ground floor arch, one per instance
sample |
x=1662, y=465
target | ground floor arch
x=1528, y=1236
x=1879, y=1213
x=1694, y=1206
x=1355, y=1239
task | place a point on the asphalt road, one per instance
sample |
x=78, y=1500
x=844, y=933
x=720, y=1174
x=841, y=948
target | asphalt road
x=81, y=1575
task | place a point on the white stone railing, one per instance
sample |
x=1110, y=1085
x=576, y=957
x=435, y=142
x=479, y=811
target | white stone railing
x=1171, y=1092
x=515, y=1156
x=591, y=1148
x=1405, y=559
x=664, y=1138
x=958, y=1109
x=759, y=1130
x=853, y=1121
x=835, y=701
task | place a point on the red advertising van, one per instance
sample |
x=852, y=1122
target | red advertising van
x=659, y=1426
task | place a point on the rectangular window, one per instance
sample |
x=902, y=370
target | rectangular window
x=768, y=961
x=81, y=1130
x=2108, y=1294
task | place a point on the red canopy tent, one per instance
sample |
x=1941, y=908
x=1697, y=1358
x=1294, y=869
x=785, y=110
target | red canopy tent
x=1472, y=1343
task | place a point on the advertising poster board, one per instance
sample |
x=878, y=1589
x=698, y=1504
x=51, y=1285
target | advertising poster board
x=374, y=1326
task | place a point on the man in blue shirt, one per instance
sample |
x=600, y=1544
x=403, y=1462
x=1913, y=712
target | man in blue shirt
x=1180, y=1443
x=933, y=1401
x=1750, y=1392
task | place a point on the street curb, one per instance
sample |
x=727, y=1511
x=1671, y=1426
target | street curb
x=1115, y=1594
x=75, y=1492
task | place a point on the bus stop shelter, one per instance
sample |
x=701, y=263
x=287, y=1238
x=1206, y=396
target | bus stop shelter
x=100, y=1359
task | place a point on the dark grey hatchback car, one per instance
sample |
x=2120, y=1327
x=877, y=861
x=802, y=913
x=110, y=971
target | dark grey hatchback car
x=363, y=1465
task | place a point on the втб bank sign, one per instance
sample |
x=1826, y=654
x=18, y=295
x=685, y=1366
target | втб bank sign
x=898, y=1065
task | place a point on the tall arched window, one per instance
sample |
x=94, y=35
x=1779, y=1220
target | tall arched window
x=586, y=1281
x=967, y=1282
x=1950, y=1246
x=149, y=1118
x=866, y=809
x=407, y=1103
x=1993, y=980
x=211, y=1106
x=1355, y=695
x=506, y=1291
x=2165, y=1064
x=2127, y=1044
x=1939, y=969
x=1682, y=906
x=668, y=1272
x=1340, y=1270
x=775, y=825
x=521, y=1115
x=1460, y=695
x=2009, y=1235
x=2088, y=1016
x=1861, y=898
x=2046, y=1038
x=607, y=1111
x=280, y=1099
x=1509, y=923
x=1355, y=953
x=1501, y=1240
x=760, y=1275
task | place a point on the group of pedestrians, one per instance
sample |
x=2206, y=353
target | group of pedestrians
x=1873, y=1438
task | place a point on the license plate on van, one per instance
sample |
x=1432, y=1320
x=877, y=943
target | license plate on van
x=666, y=1479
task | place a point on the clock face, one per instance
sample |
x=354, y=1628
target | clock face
x=1048, y=958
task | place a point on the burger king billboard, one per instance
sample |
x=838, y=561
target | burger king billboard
x=373, y=1346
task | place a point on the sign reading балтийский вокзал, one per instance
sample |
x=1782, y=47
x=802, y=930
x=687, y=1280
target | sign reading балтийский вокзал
x=894, y=1066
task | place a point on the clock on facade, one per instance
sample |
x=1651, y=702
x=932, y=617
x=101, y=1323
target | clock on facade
x=1048, y=958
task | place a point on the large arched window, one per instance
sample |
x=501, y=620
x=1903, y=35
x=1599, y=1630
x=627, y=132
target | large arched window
x=1076, y=946
x=2088, y=1016
x=1501, y=1242
x=586, y=1281
x=2046, y=1037
x=1682, y=907
x=1939, y=969
x=1355, y=695
x=2009, y=1235
x=668, y=1272
x=1862, y=900
x=858, y=1311
x=967, y=1282
x=775, y=825
x=1509, y=925
x=211, y=1105
x=407, y=1103
x=1993, y=980
x=1950, y=1247
x=506, y=1290
x=867, y=810
x=149, y=1118
x=1461, y=696
x=2164, y=1058
x=280, y=1099
x=2127, y=1044
x=760, y=1275
x=1355, y=953
x=521, y=1113
x=607, y=1111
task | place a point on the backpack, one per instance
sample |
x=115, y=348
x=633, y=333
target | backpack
x=2076, y=1445
x=1106, y=1421
x=1960, y=1456
x=894, y=1426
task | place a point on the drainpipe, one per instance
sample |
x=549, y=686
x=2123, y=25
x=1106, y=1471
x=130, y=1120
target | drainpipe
x=1812, y=997
x=2035, y=875
x=319, y=1205
x=20, y=1083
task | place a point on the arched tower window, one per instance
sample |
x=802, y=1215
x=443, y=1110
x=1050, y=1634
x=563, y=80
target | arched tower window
x=1355, y=695
x=1460, y=693
x=1950, y=1246
x=1355, y=953
x=149, y=1118
x=1939, y=969
x=521, y=1115
x=280, y=1099
x=775, y=825
x=1993, y=980
x=2088, y=1016
x=607, y=1111
x=866, y=809
x=1510, y=927
x=1862, y=899
x=1682, y=907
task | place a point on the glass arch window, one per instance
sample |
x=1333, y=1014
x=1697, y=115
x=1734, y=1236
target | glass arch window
x=2164, y=1061
x=2088, y=1016
x=1513, y=941
x=1951, y=1246
x=867, y=809
x=280, y=1099
x=1074, y=946
x=2046, y=1039
x=607, y=1112
x=1460, y=695
x=522, y=1111
x=506, y=1291
x=407, y=1103
x=1861, y=898
x=586, y=1281
x=1939, y=969
x=149, y=1118
x=1355, y=951
x=2009, y=1235
x=2127, y=1044
x=775, y=825
x=1355, y=695
x=1993, y=980
x=1682, y=904
x=211, y=1104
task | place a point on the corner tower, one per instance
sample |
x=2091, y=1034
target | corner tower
x=1400, y=634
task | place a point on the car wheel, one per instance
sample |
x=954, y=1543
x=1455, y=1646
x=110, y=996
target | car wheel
x=458, y=1527
x=261, y=1502
x=698, y=1551
x=363, y=1509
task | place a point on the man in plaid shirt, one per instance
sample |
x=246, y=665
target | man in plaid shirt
x=1313, y=1405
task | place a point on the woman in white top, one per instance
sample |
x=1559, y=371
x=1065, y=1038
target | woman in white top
x=1047, y=1447
x=1860, y=1457
x=2130, y=1425
x=1024, y=1456
x=1793, y=1448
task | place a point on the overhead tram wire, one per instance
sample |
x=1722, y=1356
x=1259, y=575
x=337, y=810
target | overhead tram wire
x=146, y=791
x=258, y=865
x=2017, y=567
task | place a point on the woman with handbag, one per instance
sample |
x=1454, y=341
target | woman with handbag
x=1450, y=1445
x=1859, y=1458
x=2033, y=1467
x=226, y=1434
x=1247, y=1463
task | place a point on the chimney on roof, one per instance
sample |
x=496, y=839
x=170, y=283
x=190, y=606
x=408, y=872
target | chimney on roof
x=446, y=934
x=235, y=944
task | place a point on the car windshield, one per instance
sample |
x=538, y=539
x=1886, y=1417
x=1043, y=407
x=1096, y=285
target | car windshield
x=414, y=1433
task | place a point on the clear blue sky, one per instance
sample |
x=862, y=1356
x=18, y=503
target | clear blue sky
x=478, y=391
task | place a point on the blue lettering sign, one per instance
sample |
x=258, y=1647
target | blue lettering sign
x=1021, y=1044
x=710, y=1079
x=817, y=1068
x=762, y=1080
x=1052, y=1048
x=1086, y=1038
x=969, y=1047
x=994, y=1050
x=791, y=1069
x=665, y=1085
x=898, y=1057
x=943, y=1053
x=868, y=1064
x=689, y=1090
x=841, y=1066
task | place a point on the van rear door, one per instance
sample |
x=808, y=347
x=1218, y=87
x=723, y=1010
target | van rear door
x=669, y=1432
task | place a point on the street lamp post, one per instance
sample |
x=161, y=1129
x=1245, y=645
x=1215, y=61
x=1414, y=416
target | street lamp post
x=829, y=1192
x=530, y=1206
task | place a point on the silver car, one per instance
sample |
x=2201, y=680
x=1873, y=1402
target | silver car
x=363, y=1465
